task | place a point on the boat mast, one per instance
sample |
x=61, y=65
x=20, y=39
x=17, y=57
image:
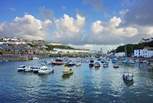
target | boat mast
x=125, y=50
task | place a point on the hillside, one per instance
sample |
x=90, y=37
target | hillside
x=51, y=47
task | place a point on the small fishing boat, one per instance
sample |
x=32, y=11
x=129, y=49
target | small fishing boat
x=78, y=64
x=131, y=61
x=128, y=61
x=28, y=69
x=115, y=66
x=99, y=59
x=128, y=77
x=45, y=70
x=145, y=61
x=114, y=60
x=35, y=58
x=105, y=65
x=67, y=71
x=21, y=68
x=57, y=62
x=102, y=61
x=97, y=65
x=35, y=69
x=91, y=64
x=70, y=64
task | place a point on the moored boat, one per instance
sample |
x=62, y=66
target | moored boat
x=128, y=77
x=45, y=70
x=131, y=61
x=35, y=69
x=115, y=66
x=97, y=65
x=21, y=68
x=35, y=58
x=102, y=61
x=70, y=64
x=67, y=71
x=105, y=65
x=78, y=64
x=114, y=60
x=91, y=64
x=28, y=69
x=57, y=62
x=99, y=59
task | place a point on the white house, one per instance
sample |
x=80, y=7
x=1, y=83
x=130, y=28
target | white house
x=120, y=54
x=136, y=53
x=72, y=50
x=143, y=53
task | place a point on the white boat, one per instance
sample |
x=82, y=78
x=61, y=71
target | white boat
x=105, y=65
x=115, y=66
x=35, y=58
x=97, y=65
x=91, y=64
x=67, y=71
x=57, y=62
x=35, y=69
x=21, y=68
x=45, y=70
x=128, y=77
x=70, y=64
x=78, y=64
x=28, y=69
x=145, y=61
x=131, y=61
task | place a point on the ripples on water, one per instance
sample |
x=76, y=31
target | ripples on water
x=86, y=85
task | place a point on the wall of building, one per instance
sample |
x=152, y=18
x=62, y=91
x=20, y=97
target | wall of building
x=70, y=50
x=143, y=53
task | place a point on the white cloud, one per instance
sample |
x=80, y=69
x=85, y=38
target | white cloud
x=113, y=27
x=97, y=27
x=1, y=26
x=68, y=29
x=71, y=30
x=71, y=24
x=27, y=27
x=115, y=22
x=124, y=31
x=148, y=30
x=112, y=31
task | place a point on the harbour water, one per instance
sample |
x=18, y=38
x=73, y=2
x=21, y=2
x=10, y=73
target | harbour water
x=86, y=85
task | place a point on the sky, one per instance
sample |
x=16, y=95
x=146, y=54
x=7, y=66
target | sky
x=86, y=23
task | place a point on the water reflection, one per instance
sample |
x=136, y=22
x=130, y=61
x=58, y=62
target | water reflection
x=128, y=83
x=66, y=76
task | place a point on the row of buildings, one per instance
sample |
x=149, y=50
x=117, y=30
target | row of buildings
x=21, y=46
x=17, y=46
x=146, y=52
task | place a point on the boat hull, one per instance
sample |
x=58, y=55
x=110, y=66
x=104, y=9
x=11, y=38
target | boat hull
x=127, y=77
x=57, y=63
x=20, y=70
x=44, y=72
x=69, y=65
x=91, y=65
